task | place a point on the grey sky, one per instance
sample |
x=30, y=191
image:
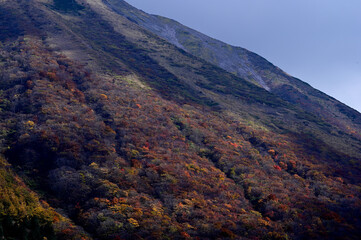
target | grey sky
x=318, y=41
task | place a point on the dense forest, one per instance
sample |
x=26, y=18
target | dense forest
x=125, y=149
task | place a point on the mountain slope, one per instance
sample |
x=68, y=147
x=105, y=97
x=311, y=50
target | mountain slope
x=247, y=65
x=133, y=138
x=232, y=93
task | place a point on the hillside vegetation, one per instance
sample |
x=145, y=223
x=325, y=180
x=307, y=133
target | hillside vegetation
x=246, y=65
x=114, y=133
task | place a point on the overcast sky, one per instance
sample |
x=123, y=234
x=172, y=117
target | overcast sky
x=318, y=41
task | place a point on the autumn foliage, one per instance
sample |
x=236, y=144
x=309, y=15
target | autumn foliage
x=124, y=163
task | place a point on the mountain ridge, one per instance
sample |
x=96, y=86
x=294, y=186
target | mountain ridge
x=319, y=115
x=243, y=63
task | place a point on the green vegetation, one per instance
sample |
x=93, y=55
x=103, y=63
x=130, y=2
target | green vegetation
x=67, y=5
x=21, y=214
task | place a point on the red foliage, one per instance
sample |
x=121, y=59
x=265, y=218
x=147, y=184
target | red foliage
x=278, y=168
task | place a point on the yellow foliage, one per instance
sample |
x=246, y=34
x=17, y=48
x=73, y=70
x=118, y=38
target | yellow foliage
x=263, y=222
x=157, y=211
x=94, y=165
x=133, y=222
x=243, y=211
x=193, y=167
x=138, y=212
x=134, y=153
x=30, y=124
x=256, y=213
x=17, y=201
x=103, y=96
x=221, y=177
x=187, y=225
x=120, y=208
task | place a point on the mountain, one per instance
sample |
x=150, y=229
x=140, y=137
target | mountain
x=244, y=64
x=111, y=130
